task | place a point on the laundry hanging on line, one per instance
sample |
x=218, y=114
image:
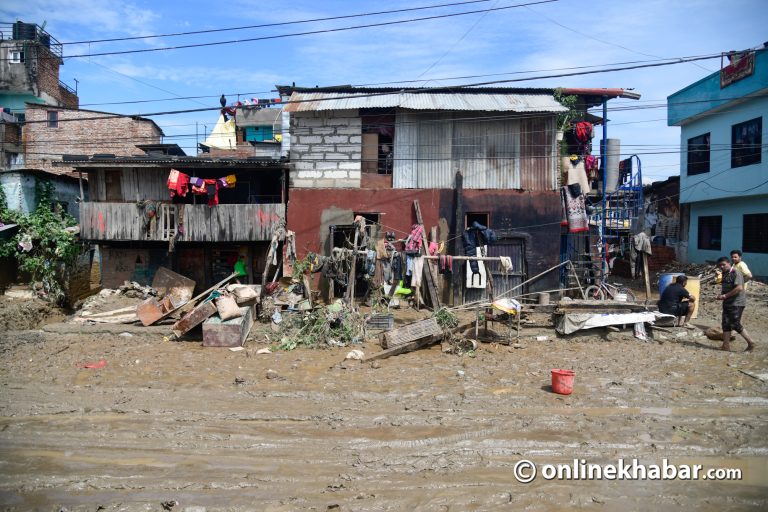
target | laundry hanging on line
x=179, y=183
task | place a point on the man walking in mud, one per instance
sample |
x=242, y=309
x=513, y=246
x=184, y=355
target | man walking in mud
x=734, y=300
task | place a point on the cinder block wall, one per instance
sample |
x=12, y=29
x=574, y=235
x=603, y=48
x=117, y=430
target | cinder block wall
x=326, y=149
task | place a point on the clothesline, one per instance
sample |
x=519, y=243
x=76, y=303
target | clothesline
x=460, y=258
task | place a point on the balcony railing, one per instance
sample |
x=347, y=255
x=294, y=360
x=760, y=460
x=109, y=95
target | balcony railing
x=20, y=31
x=189, y=223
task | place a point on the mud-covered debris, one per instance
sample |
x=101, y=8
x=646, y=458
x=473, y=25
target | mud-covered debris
x=168, y=505
x=272, y=374
x=355, y=354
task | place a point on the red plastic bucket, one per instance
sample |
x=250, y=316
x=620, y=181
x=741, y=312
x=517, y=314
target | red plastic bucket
x=562, y=381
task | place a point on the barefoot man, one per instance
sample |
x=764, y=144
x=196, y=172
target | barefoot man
x=734, y=300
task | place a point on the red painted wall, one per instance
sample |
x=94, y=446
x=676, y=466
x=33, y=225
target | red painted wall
x=312, y=211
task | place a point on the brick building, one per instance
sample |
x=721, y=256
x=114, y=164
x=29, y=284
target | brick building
x=50, y=132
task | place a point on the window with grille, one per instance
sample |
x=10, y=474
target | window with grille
x=698, y=155
x=746, y=142
x=53, y=119
x=16, y=56
x=710, y=232
x=755, y=234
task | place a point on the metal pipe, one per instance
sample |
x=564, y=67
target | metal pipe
x=604, y=163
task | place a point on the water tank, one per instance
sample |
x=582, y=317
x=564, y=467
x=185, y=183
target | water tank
x=24, y=31
x=612, y=158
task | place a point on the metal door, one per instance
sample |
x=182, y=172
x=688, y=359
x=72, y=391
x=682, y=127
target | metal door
x=514, y=248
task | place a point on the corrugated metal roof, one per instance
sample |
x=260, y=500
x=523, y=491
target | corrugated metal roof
x=485, y=102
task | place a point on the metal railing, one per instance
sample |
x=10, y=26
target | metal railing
x=20, y=31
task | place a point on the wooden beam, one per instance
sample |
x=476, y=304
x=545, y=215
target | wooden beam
x=350, y=295
x=458, y=229
x=434, y=298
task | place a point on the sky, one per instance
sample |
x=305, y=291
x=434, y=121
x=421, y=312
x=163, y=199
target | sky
x=508, y=43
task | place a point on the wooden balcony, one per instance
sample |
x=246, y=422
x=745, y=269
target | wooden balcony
x=190, y=223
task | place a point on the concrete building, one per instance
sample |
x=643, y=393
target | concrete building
x=41, y=121
x=724, y=160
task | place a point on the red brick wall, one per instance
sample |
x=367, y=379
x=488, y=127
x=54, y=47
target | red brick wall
x=48, y=72
x=661, y=257
x=85, y=136
x=241, y=151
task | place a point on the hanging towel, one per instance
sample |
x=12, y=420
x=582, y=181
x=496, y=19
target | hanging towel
x=576, y=211
x=231, y=180
x=222, y=182
x=418, y=271
x=477, y=279
x=173, y=178
x=196, y=182
x=506, y=264
x=445, y=264
x=212, y=191
x=182, y=185
x=577, y=174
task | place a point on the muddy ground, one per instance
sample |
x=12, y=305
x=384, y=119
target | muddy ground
x=173, y=421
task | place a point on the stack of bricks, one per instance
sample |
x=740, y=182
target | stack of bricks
x=326, y=149
x=661, y=256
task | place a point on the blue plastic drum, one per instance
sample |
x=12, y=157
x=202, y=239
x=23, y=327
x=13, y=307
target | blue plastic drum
x=667, y=279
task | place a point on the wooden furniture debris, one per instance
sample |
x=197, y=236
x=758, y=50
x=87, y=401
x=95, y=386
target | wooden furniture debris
x=170, y=284
x=423, y=330
x=402, y=349
x=228, y=333
x=150, y=311
x=194, y=318
x=427, y=329
x=189, y=305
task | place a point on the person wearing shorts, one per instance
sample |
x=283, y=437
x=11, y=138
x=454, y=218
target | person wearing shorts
x=734, y=301
x=677, y=301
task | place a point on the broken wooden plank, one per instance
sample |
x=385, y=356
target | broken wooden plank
x=402, y=349
x=108, y=313
x=412, y=332
x=193, y=301
x=194, y=318
x=228, y=333
x=117, y=319
x=170, y=284
x=150, y=311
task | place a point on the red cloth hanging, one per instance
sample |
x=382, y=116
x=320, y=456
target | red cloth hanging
x=212, y=190
x=178, y=183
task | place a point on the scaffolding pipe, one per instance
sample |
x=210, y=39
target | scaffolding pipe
x=604, y=165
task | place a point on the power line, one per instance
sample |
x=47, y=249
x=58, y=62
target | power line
x=571, y=29
x=366, y=95
x=311, y=32
x=278, y=24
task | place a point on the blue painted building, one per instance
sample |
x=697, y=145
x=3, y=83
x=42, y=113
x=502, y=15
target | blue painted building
x=724, y=160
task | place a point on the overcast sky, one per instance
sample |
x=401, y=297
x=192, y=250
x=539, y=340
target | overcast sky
x=537, y=39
